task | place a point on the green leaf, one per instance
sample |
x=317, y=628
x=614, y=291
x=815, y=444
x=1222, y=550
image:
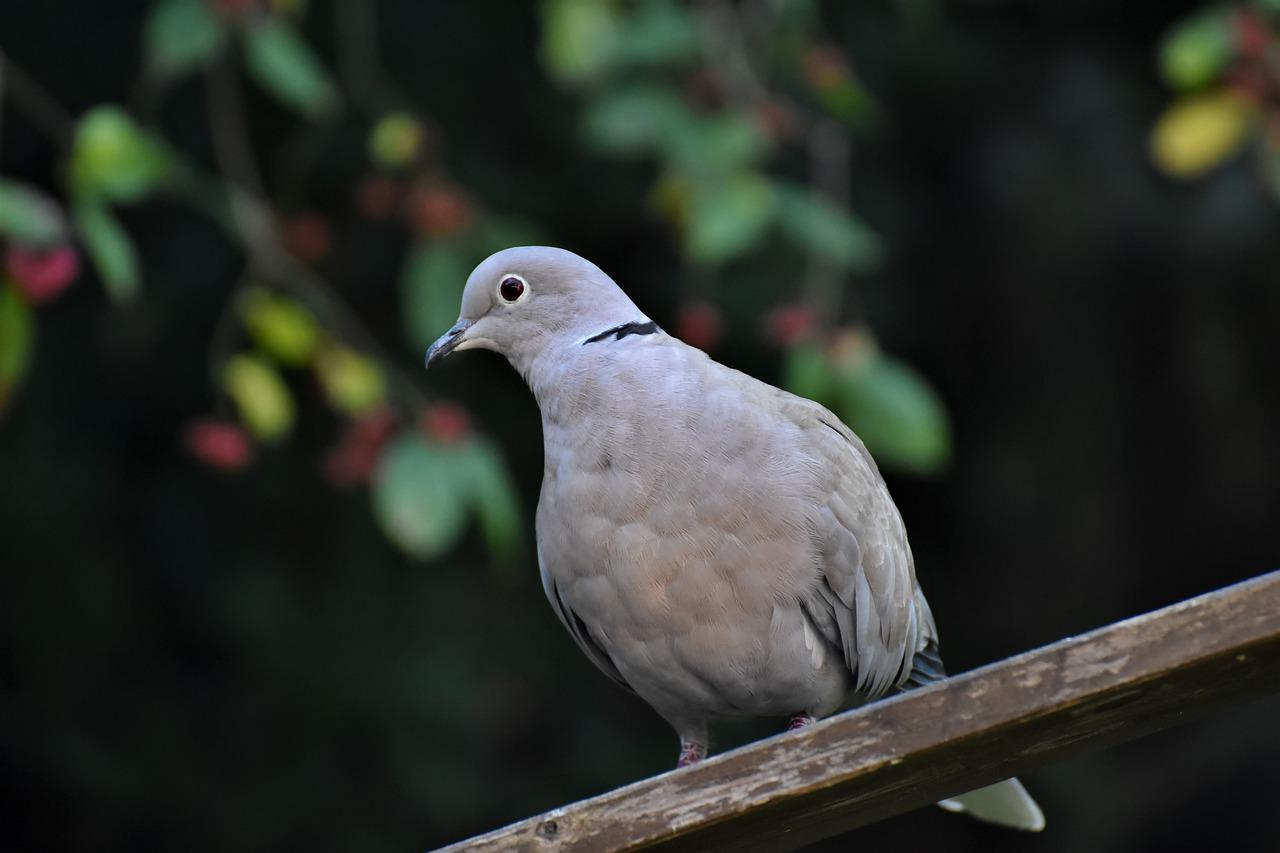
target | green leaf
x=726, y=218
x=261, y=396
x=818, y=225
x=181, y=34
x=715, y=146
x=659, y=32
x=353, y=383
x=896, y=413
x=284, y=64
x=1197, y=50
x=282, y=327
x=109, y=247
x=806, y=372
x=17, y=336
x=579, y=37
x=112, y=157
x=849, y=101
x=29, y=216
x=635, y=120
x=420, y=496
x=431, y=291
x=494, y=500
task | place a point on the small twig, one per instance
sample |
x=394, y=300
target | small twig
x=229, y=128
x=2, y=69
x=830, y=151
x=37, y=104
x=356, y=32
x=725, y=53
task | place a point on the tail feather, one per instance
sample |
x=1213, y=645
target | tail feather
x=1006, y=803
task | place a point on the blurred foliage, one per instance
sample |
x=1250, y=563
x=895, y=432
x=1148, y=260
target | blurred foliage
x=290, y=318
x=685, y=86
x=1224, y=63
x=726, y=101
x=230, y=227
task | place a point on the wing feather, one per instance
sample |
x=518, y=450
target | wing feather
x=577, y=628
x=869, y=603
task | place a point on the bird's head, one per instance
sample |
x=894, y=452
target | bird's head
x=520, y=301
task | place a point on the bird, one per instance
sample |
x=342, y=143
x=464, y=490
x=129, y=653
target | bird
x=716, y=545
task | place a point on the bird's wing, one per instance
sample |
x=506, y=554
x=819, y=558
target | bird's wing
x=868, y=602
x=577, y=628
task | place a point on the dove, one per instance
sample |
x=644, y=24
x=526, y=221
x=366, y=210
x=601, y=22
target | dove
x=716, y=545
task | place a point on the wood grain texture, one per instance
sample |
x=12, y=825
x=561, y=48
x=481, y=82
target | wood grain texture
x=1111, y=685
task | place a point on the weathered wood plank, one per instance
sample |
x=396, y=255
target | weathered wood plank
x=1111, y=685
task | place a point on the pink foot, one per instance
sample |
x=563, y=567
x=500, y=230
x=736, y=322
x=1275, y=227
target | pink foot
x=690, y=753
x=799, y=721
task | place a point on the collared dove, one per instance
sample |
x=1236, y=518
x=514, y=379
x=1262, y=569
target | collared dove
x=714, y=544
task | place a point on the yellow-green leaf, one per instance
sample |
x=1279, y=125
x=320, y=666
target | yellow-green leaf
x=395, y=140
x=1198, y=133
x=352, y=383
x=114, y=158
x=261, y=396
x=282, y=327
x=17, y=335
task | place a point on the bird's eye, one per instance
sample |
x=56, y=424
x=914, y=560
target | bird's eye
x=511, y=288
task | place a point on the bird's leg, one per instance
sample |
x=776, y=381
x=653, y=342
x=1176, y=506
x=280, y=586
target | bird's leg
x=690, y=753
x=799, y=721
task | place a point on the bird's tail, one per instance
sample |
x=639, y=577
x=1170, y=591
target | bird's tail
x=1006, y=803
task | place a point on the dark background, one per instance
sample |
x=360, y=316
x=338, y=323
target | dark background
x=197, y=661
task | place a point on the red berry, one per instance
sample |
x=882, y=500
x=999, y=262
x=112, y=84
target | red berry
x=788, y=325
x=699, y=324
x=42, y=274
x=1252, y=33
x=372, y=429
x=233, y=9
x=306, y=236
x=218, y=444
x=775, y=119
x=350, y=465
x=823, y=67
x=435, y=210
x=445, y=422
x=352, y=460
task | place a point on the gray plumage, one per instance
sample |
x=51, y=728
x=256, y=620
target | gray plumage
x=714, y=544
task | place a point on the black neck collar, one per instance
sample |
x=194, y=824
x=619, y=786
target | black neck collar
x=619, y=332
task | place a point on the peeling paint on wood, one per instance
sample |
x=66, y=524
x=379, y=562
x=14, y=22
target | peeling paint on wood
x=1115, y=684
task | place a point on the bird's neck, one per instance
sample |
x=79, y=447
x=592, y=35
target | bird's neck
x=579, y=381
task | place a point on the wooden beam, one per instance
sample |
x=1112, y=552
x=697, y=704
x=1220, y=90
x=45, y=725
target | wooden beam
x=1111, y=685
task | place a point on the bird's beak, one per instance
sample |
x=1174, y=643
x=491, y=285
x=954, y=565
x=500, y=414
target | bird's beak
x=447, y=342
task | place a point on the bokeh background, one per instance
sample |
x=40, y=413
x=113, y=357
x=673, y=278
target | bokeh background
x=267, y=585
